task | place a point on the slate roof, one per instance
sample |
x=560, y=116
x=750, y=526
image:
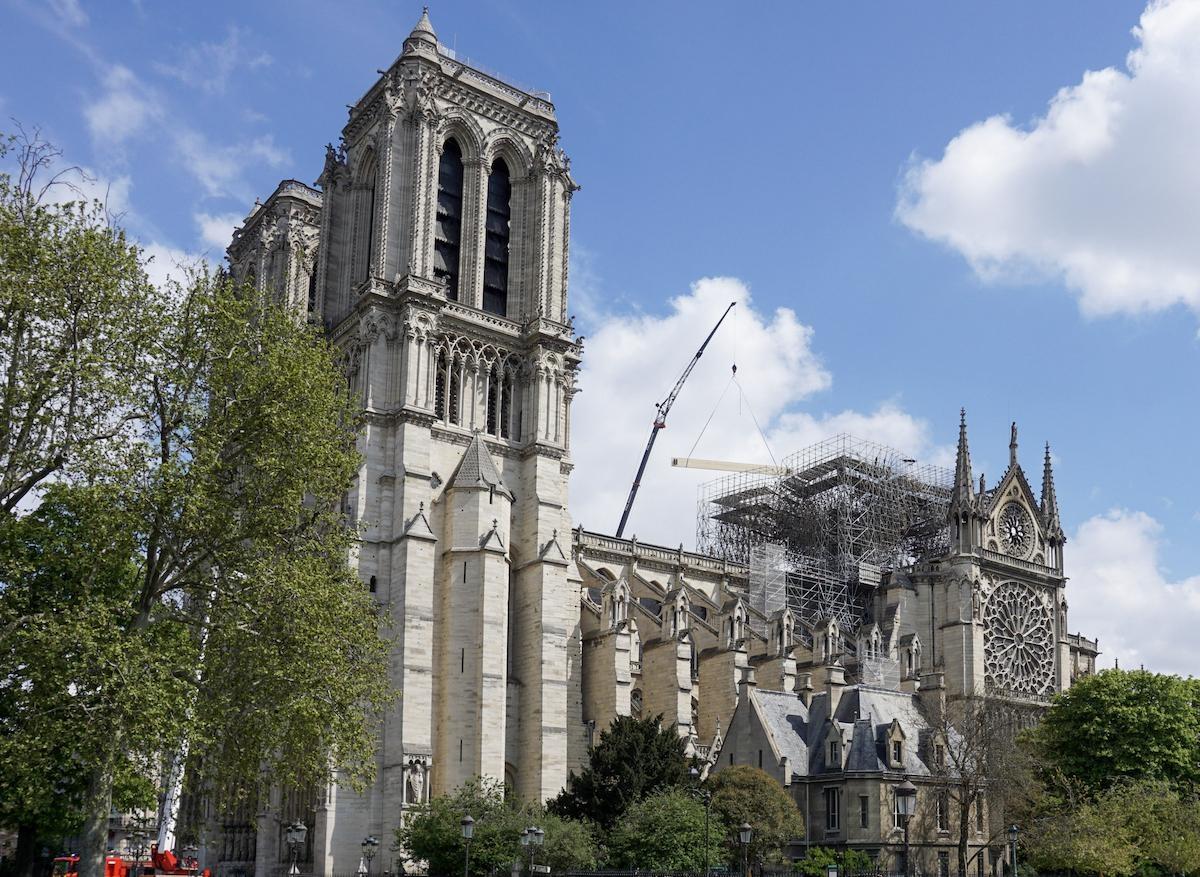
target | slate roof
x=478, y=469
x=865, y=716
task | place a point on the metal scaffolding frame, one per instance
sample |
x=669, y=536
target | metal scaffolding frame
x=847, y=512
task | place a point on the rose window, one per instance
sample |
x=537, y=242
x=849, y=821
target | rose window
x=1019, y=643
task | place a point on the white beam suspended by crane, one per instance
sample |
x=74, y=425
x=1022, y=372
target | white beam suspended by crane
x=729, y=466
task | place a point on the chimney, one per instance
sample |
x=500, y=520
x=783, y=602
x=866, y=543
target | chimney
x=835, y=682
x=932, y=692
x=804, y=688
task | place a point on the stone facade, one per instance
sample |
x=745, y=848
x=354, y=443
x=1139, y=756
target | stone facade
x=433, y=249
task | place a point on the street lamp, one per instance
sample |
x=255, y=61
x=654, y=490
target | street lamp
x=745, y=833
x=370, y=846
x=706, y=796
x=1013, y=831
x=468, y=832
x=532, y=837
x=906, y=806
x=296, y=834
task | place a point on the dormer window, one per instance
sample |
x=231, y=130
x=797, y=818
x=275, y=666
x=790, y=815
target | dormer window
x=939, y=755
x=897, y=753
x=835, y=754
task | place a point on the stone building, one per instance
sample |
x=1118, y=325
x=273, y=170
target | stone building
x=433, y=249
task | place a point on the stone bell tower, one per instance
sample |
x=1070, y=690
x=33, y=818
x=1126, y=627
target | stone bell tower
x=440, y=269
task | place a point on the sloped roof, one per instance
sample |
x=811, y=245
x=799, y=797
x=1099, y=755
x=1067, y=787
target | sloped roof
x=864, y=714
x=477, y=469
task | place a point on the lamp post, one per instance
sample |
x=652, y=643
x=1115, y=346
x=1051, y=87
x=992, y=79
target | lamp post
x=906, y=806
x=537, y=837
x=468, y=832
x=370, y=846
x=296, y=834
x=705, y=796
x=1013, y=831
x=745, y=833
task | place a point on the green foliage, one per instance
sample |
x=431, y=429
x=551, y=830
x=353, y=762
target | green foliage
x=744, y=794
x=665, y=832
x=818, y=859
x=633, y=759
x=1124, y=725
x=77, y=316
x=433, y=833
x=1141, y=827
x=186, y=573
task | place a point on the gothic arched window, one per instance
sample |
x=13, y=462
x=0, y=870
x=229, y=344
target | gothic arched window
x=495, y=256
x=365, y=222
x=448, y=235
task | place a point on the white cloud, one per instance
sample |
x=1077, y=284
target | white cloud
x=217, y=231
x=125, y=107
x=69, y=12
x=209, y=66
x=1120, y=593
x=219, y=169
x=1103, y=192
x=631, y=363
x=165, y=263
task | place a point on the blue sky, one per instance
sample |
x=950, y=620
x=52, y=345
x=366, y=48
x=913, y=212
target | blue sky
x=798, y=152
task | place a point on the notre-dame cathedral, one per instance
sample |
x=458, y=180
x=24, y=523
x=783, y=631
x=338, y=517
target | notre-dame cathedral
x=433, y=249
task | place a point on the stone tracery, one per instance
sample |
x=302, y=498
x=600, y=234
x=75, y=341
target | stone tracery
x=1019, y=641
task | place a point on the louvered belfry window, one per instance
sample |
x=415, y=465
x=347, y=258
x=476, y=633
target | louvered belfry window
x=495, y=262
x=449, y=218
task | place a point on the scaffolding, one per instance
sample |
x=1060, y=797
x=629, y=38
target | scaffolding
x=845, y=513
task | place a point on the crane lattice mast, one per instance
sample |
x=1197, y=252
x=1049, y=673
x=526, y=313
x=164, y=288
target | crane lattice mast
x=660, y=420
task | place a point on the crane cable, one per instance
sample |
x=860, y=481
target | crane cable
x=733, y=380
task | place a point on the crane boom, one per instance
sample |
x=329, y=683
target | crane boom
x=660, y=420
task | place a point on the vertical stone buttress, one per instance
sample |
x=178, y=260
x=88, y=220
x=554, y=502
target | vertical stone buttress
x=485, y=622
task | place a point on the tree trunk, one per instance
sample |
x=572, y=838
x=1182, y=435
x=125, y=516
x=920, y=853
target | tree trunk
x=26, y=852
x=96, y=806
x=964, y=828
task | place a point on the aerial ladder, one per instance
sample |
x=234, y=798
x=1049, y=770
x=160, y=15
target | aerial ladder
x=660, y=420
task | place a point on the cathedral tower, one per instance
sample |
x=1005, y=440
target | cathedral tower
x=435, y=254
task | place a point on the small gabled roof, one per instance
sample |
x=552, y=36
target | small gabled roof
x=478, y=470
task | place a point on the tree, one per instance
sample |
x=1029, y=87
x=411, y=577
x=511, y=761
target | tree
x=817, y=860
x=67, y=552
x=76, y=318
x=744, y=794
x=664, y=832
x=1124, y=724
x=976, y=761
x=633, y=759
x=433, y=832
x=216, y=434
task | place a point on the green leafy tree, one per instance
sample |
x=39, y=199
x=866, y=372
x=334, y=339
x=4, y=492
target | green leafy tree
x=633, y=759
x=745, y=794
x=665, y=832
x=77, y=316
x=432, y=834
x=209, y=438
x=818, y=859
x=1124, y=725
x=1132, y=827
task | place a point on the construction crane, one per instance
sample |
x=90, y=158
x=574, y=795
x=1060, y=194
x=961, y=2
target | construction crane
x=660, y=420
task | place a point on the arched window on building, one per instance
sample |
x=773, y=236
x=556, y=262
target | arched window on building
x=448, y=235
x=365, y=221
x=495, y=259
x=439, y=387
x=312, y=289
x=493, y=401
